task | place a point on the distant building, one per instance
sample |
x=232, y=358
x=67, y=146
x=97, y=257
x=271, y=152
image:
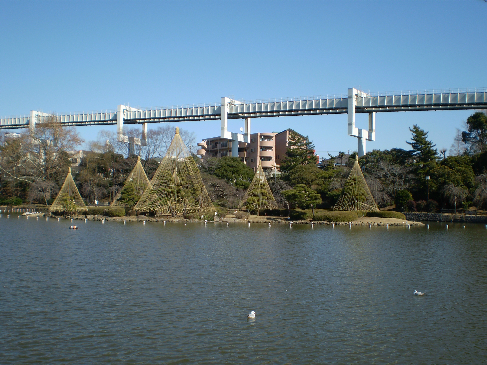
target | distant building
x=12, y=135
x=75, y=158
x=268, y=148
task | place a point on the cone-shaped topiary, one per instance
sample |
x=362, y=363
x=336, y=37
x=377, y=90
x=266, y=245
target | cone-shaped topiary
x=135, y=185
x=68, y=199
x=356, y=194
x=177, y=187
x=259, y=195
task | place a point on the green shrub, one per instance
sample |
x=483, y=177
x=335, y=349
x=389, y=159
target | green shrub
x=15, y=200
x=401, y=200
x=106, y=211
x=299, y=215
x=336, y=216
x=115, y=212
x=386, y=214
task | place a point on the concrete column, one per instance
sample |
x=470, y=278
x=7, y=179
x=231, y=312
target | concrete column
x=224, y=118
x=143, y=140
x=371, y=126
x=361, y=146
x=247, y=130
x=352, y=131
x=120, y=111
x=234, y=144
x=32, y=120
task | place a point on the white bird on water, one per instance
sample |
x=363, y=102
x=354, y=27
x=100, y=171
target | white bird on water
x=251, y=315
x=418, y=293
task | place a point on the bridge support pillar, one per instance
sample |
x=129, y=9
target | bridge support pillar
x=235, y=144
x=224, y=118
x=362, y=134
x=120, y=114
x=34, y=118
x=361, y=146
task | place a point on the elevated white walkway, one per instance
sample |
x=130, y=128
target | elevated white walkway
x=355, y=102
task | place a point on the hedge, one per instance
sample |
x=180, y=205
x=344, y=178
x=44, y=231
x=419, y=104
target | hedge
x=386, y=214
x=336, y=216
x=106, y=211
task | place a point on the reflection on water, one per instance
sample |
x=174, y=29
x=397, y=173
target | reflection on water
x=171, y=293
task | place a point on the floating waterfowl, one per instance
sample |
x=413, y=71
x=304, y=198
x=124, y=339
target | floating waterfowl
x=418, y=293
x=251, y=315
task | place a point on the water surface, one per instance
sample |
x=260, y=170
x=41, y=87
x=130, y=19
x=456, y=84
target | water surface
x=174, y=293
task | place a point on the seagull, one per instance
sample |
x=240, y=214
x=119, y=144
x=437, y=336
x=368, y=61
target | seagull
x=418, y=293
x=251, y=315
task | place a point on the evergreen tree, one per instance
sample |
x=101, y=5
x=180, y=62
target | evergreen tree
x=423, y=151
x=476, y=136
x=302, y=197
x=300, y=152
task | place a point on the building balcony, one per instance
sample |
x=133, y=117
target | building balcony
x=267, y=164
x=266, y=143
x=268, y=153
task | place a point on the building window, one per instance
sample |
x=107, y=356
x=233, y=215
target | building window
x=251, y=160
x=251, y=150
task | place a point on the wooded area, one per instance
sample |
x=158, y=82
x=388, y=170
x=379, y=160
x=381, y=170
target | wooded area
x=33, y=167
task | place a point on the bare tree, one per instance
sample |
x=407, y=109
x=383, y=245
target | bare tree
x=456, y=195
x=158, y=141
x=39, y=154
x=458, y=147
x=480, y=194
x=42, y=191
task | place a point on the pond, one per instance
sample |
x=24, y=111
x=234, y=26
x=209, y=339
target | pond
x=175, y=293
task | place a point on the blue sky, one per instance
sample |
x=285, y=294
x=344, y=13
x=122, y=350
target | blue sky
x=74, y=56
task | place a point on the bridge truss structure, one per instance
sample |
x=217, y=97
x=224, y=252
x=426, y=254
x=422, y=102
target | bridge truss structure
x=354, y=102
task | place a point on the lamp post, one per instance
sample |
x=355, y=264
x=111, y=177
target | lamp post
x=427, y=188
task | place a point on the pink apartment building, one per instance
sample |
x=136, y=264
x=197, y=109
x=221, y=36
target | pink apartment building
x=268, y=148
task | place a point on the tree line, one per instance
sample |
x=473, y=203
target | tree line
x=33, y=167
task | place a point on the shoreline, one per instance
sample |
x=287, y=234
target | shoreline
x=363, y=221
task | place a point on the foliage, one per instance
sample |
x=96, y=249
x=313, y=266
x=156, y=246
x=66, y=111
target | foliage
x=335, y=216
x=299, y=215
x=106, y=211
x=300, y=152
x=475, y=138
x=386, y=214
x=15, y=200
x=302, y=197
x=259, y=198
x=68, y=204
x=129, y=196
x=177, y=187
x=422, y=150
x=401, y=200
x=233, y=171
x=356, y=193
x=480, y=193
x=221, y=192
